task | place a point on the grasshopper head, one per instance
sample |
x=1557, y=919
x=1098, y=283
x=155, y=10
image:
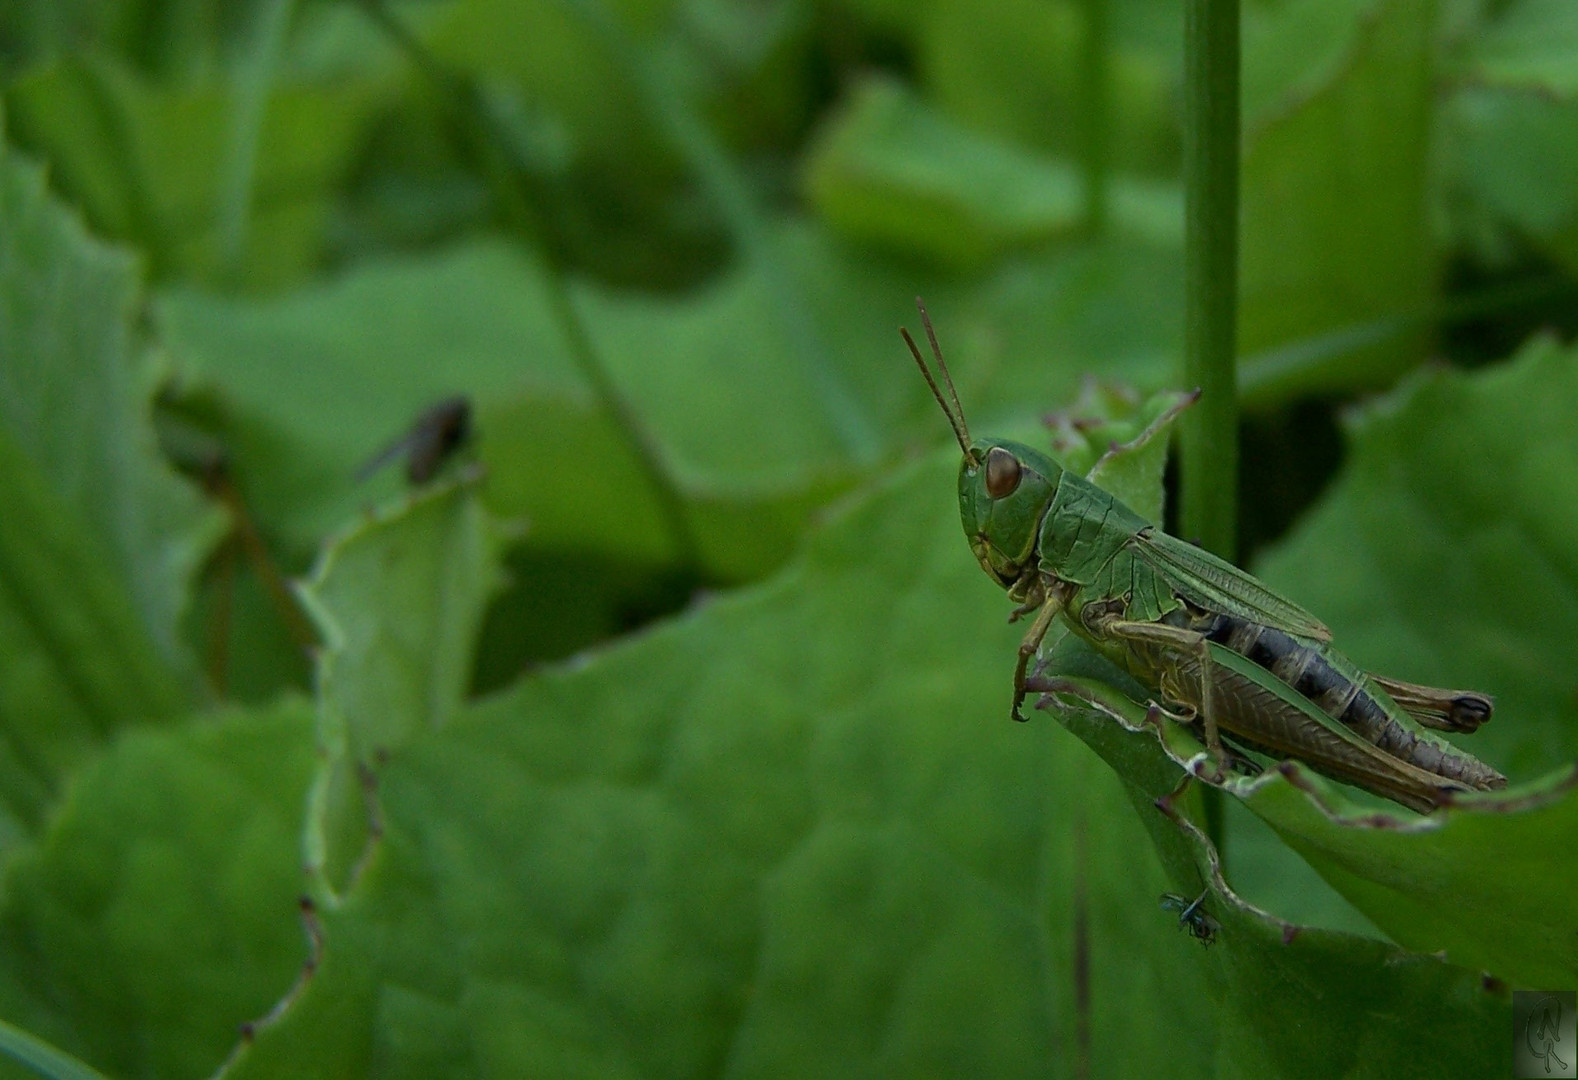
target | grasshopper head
x=1004, y=491
x=1004, y=487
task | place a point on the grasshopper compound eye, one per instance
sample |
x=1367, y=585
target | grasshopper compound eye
x=1002, y=473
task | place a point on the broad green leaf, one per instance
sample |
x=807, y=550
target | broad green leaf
x=143, y=158
x=890, y=171
x=1445, y=555
x=737, y=423
x=399, y=599
x=1292, y=50
x=790, y=833
x=1397, y=1012
x=1039, y=330
x=1528, y=46
x=79, y=663
x=617, y=107
x=1012, y=70
x=1474, y=882
x=1479, y=884
x=743, y=425
x=1335, y=229
x=97, y=539
x=559, y=64
x=768, y=838
x=1447, y=551
x=743, y=65
x=1509, y=136
x=313, y=384
x=1510, y=170
x=160, y=911
x=75, y=389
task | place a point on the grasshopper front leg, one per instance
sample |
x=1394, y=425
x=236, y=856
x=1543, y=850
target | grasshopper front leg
x=1056, y=598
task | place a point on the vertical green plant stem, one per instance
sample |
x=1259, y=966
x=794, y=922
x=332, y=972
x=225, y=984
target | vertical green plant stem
x=1095, y=94
x=1208, y=443
x=1208, y=454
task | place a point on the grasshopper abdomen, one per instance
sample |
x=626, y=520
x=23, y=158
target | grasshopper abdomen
x=1340, y=689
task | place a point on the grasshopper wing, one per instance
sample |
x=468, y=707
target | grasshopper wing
x=1215, y=585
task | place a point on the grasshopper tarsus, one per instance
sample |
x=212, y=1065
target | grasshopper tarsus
x=1471, y=710
x=1460, y=711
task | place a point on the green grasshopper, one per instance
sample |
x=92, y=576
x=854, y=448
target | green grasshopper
x=1222, y=650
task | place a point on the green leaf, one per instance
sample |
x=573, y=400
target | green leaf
x=79, y=663
x=1445, y=555
x=140, y=157
x=1478, y=884
x=1473, y=883
x=737, y=422
x=790, y=833
x=1509, y=136
x=75, y=389
x=160, y=911
x=702, y=821
x=1335, y=230
x=559, y=64
x=399, y=599
x=97, y=539
x=888, y=170
x=1529, y=46
x=1398, y=1012
x=1010, y=70
x=1510, y=165
x=392, y=338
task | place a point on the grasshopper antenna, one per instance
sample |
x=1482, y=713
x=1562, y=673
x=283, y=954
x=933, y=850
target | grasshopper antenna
x=955, y=415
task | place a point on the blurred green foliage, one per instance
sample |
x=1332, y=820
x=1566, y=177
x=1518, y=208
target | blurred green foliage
x=661, y=733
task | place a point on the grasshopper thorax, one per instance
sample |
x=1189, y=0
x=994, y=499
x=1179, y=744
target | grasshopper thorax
x=1005, y=489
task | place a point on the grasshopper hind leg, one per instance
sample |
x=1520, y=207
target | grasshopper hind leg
x=1232, y=751
x=1164, y=638
x=1462, y=711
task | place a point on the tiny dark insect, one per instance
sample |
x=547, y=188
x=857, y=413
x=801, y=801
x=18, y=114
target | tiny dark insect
x=1193, y=917
x=435, y=436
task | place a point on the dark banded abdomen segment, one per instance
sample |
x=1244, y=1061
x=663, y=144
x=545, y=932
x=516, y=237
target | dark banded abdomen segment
x=1342, y=691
